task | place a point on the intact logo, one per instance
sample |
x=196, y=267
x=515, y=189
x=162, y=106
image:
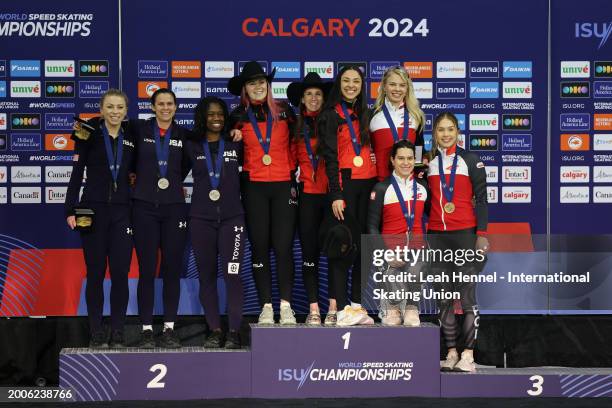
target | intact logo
x=602, y=89
x=419, y=70
x=92, y=89
x=516, y=174
x=25, y=121
x=55, y=195
x=574, y=121
x=602, y=121
x=517, y=69
x=492, y=194
x=219, y=69
x=25, y=68
x=574, y=174
x=574, y=195
x=602, y=194
x=600, y=31
x=484, y=121
x=423, y=90
x=517, y=143
x=492, y=174
x=218, y=89
x=484, y=90
x=517, y=90
x=59, y=68
x=575, y=69
x=518, y=194
x=325, y=69
x=152, y=69
x=25, y=89
x=484, y=69
x=58, y=141
x=575, y=142
x=59, y=89
x=3, y=121
x=186, y=69
x=602, y=174
x=287, y=69
x=93, y=68
x=147, y=88
x=483, y=142
x=602, y=142
x=378, y=68
x=516, y=121
x=25, y=142
x=450, y=90
x=450, y=69
x=359, y=64
x=575, y=89
x=603, y=69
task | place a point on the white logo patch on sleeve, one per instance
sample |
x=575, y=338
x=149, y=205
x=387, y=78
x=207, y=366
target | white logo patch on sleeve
x=480, y=165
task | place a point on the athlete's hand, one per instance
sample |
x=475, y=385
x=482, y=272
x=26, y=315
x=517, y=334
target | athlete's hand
x=71, y=220
x=236, y=135
x=373, y=158
x=482, y=243
x=338, y=209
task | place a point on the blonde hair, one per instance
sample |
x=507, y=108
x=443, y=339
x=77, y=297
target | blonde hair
x=114, y=92
x=411, y=102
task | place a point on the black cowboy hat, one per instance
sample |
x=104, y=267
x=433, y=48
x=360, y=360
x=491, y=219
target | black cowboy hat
x=251, y=70
x=339, y=239
x=295, y=90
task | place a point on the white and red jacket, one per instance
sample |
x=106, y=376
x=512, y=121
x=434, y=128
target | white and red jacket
x=470, y=182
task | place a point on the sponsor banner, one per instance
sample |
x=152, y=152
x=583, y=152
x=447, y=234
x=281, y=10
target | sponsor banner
x=185, y=120
x=378, y=68
x=602, y=121
x=374, y=88
x=279, y=89
x=450, y=90
x=486, y=142
x=516, y=174
x=3, y=142
x=263, y=64
x=25, y=89
x=25, y=195
x=516, y=194
x=575, y=89
x=59, y=121
x=602, y=174
x=602, y=142
x=419, y=70
x=602, y=89
x=575, y=69
x=92, y=89
x=147, y=88
x=461, y=120
x=484, y=69
x=286, y=69
x=602, y=194
x=25, y=121
x=517, y=69
x=3, y=174
x=482, y=121
x=461, y=140
x=3, y=195
x=58, y=174
x=484, y=90
x=186, y=69
x=574, y=121
x=218, y=69
x=423, y=90
x=517, y=143
x=360, y=64
x=59, y=68
x=428, y=121
x=569, y=195
x=516, y=121
x=59, y=141
x=152, y=69
x=25, y=142
x=25, y=68
x=146, y=116
x=93, y=68
x=492, y=174
x=492, y=194
x=603, y=69
x=575, y=142
x=574, y=174
x=191, y=90
x=55, y=195
x=2, y=68
x=3, y=124
x=325, y=69
x=2, y=89
x=59, y=89
x=517, y=90
x=450, y=69
x=26, y=174
x=218, y=89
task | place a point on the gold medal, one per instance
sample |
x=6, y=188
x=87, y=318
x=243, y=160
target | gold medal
x=358, y=161
x=214, y=195
x=449, y=208
x=163, y=183
x=84, y=221
x=266, y=159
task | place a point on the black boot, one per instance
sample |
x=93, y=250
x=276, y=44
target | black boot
x=98, y=340
x=117, y=341
x=233, y=340
x=215, y=339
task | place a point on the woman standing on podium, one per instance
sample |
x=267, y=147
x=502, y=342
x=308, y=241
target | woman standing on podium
x=270, y=197
x=160, y=213
x=308, y=96
x=106, y=147
x=216, y=217
x=456, y=179
x=345, y=147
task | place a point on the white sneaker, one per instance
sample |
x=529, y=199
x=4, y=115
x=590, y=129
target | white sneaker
x=411, y=317
x=466, y=364
x=451, y=361
x=364, y=319
x=391, y=317
x=287, y=315
x=267, y=315
x=348, y=317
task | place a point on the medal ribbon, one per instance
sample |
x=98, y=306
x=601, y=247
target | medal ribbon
x=314, y=159
x=114, y=163
x=162, y=151
x=349, y=123
x=448, y=189
x=214, y=167
x=265, y=145
x=408, y=216
x=392, y=124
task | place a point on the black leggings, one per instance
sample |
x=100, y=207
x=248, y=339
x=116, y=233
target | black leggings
x=356, y=195
x=461, y=239
x=271, y=212
x=311, y=211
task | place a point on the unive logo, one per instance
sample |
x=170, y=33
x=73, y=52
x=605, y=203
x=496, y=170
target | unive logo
x=25, y=89
x=419, y=70
x=152, y=69
x=574, y=174
x=59, y=68
x=219, y=69
x=287, y=69
x=25, y=142
x=186, y=69
x=58, y=141
x=3, y=121
x=516, y=174
x=517, y=69
x=25, y=68
x=603, y=69
x=575, y=69
x=570, y=122
x=483, y=142
x=191, y=90
x=602, y=89
x=147, y=88
x=575, y=142
x=517, y=143
x=93, y=68
x=378, y=68
x=325, y=69
x=492, y=174
x=484, y=121
x=517, y=90
x=602, y=174
x=218, y=89
x=484, y=90
x=602, y=194
x=25, y=121
x=592, y=29
x=92, y=89
x=492, y=195
x=279, y=89
x=575, y=89
x=516, y=121
x=423, y=90
x=450, y=90
x=484, y=69
x=59, y=89
x=602, y=142
x=516, y=194
x=571, y=195
x=450, y=69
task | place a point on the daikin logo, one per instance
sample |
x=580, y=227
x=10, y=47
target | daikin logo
x=597, y=30
x=484, y=90
x=287, y=69
x=517, y=69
